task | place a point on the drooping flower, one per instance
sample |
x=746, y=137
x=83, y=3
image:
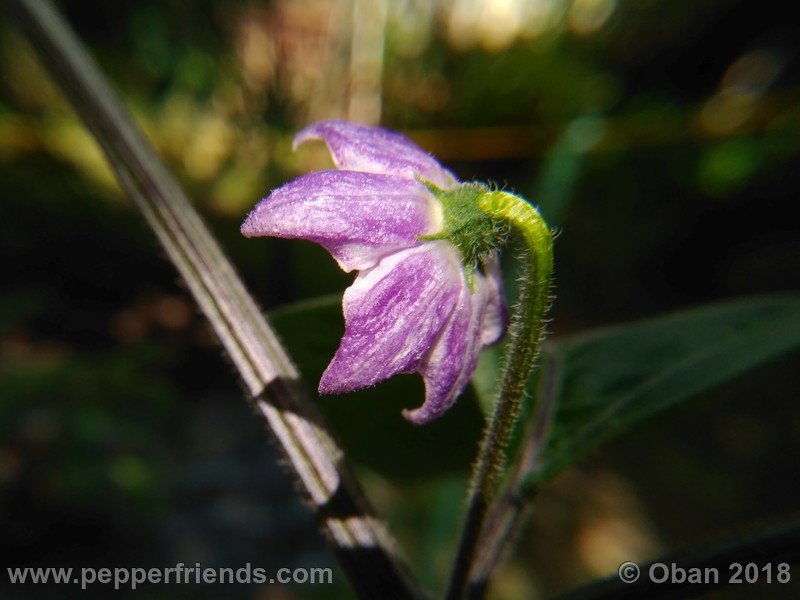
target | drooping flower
x=428, y=295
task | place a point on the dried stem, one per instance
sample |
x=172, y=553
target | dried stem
x=360, y=541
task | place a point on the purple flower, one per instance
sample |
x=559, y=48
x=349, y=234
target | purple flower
x=418, y=302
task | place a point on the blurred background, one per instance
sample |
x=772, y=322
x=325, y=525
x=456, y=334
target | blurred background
x=660, y=137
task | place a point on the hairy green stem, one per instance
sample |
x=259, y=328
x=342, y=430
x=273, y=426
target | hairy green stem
x=525, y=333
x=360, y=541
x=513, y=505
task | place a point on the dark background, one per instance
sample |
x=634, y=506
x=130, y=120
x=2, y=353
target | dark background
x=661, y=138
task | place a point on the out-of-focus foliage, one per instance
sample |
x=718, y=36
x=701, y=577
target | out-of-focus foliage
x=662, y=138
x=608, y=380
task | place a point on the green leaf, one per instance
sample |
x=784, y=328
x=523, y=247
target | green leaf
x=560, y=172
x=368, y=423
x=610, y=379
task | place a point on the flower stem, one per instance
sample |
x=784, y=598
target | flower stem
x=513, y=504
x=361, y=541
x=525, y=331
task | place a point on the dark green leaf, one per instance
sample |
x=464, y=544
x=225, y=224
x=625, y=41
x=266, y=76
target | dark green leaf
x=610, y=379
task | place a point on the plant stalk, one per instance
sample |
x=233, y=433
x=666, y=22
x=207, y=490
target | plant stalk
x=525, y=331
x=513, y=505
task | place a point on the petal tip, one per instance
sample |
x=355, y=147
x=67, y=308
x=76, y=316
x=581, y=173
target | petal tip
x=332, y=382
x=305, y=134
x=248, y=228
x=435, y=405
x=316, y=131
x=422, y=415
x=326, y=386
x=256, y=224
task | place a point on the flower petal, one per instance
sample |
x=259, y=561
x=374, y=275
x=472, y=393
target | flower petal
x=393, y=313
x=448, y=367
x=358, y=217
x=376, y=150
x=495, y=312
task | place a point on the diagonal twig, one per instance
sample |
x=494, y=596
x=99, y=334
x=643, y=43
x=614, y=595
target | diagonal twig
x=360, y=541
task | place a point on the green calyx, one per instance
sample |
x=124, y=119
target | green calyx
x=474, y=233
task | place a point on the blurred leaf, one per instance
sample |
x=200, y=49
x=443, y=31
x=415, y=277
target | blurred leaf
x=440, y=530
x=555, y=186
x=726, y=167
x=17, y=306
x=368, y=422
x=610, y=379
